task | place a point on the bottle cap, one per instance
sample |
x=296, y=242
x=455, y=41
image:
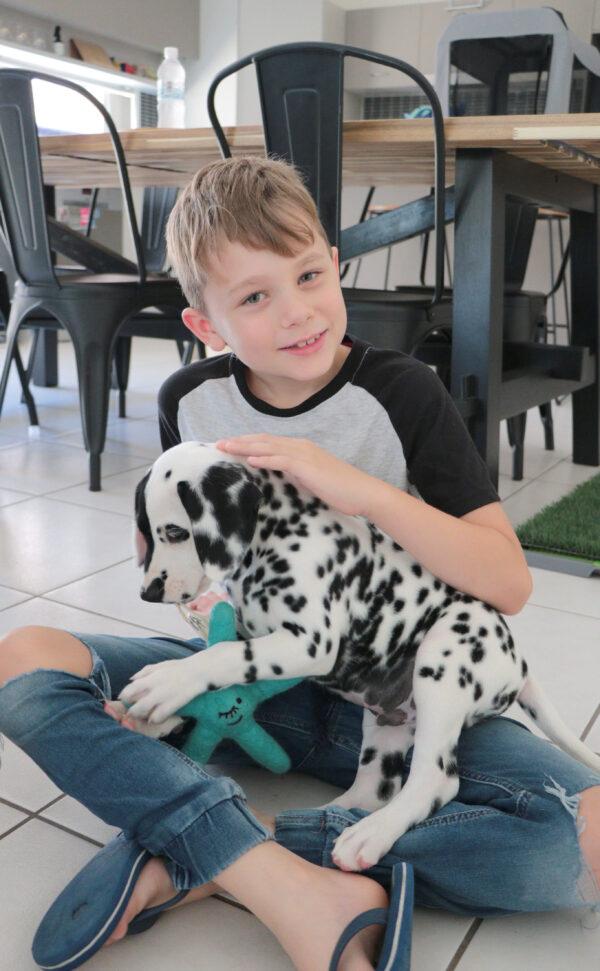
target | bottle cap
x=172, y=52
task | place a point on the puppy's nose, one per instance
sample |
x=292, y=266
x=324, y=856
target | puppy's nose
x=155, y=592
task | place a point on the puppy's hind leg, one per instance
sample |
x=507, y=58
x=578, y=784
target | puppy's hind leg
x=380, y=766
x=442, y=707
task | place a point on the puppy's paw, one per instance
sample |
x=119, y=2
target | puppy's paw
x=361, y=846
x=159, y=690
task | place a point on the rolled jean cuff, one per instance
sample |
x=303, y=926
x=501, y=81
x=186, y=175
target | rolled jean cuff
x=212, y=841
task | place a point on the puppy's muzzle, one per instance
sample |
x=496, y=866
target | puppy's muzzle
x=155, y=592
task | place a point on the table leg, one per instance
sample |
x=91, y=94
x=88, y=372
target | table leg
x=585, y=328
x=478, y=296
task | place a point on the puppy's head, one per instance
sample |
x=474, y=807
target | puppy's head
x=196, y=512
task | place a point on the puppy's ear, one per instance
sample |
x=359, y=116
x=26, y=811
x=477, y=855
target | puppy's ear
x=143, y=542
x=140, y=546
x=223, y=511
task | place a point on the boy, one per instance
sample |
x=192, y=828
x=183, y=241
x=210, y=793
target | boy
x=245, y=241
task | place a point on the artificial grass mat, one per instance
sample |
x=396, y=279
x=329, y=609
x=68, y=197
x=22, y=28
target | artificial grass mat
x=570, y=526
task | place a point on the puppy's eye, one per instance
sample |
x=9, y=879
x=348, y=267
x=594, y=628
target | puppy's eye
x=176, y=534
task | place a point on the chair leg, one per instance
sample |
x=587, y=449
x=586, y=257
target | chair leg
x=548, y=422
x=121, y=363
x=516, y=438
x=13, y=354
x=94, y=348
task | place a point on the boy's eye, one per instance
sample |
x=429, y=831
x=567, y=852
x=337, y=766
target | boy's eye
x=254, y=298
x=309, y=275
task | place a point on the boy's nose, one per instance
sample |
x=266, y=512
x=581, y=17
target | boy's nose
x=296, y=312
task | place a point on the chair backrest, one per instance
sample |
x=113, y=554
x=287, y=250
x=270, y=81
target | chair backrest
x=157, y=205
x=21, y=177
x=301, y=90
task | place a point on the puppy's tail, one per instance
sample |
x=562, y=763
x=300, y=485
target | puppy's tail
x=538, y=706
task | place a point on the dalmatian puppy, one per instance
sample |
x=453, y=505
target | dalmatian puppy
x=327, y=596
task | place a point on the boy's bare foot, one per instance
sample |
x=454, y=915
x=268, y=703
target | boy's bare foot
x=330, y=901
x=153, y=887
x=334, y=899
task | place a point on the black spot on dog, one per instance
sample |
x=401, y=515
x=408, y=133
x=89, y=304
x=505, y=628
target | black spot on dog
x=385, y=790
x=190, y=500
x=250, y=675
x=427, y=672
x=368, y=756
x=276, y=669
x=460, y=628
x=477, y=654
x=392, y=763
x=295, y=629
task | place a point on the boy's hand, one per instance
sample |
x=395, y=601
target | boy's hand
x=120, y=712
x=337, y=483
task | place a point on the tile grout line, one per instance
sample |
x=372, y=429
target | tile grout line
x=462, y=947
x=152, y=632
x=586, y=731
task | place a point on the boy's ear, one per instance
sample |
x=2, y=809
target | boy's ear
x=335, y=256
x=201, y=327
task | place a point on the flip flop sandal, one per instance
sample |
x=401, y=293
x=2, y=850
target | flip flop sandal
x=397, y=919
x=85, y=914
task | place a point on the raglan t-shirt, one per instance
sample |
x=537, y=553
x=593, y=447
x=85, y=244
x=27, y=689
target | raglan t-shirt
x=384, y=412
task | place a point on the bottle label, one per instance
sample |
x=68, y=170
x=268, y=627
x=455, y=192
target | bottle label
x=170, y=90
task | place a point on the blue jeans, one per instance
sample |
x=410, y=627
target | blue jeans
x=508, y=843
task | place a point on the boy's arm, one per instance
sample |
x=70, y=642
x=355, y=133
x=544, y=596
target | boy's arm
x=477, y=553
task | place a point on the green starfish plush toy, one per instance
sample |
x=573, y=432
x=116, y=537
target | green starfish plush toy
x=229, y=712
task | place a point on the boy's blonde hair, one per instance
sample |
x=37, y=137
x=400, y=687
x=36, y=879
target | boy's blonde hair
x=261, y=203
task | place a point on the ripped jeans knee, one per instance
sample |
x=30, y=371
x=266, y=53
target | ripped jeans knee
x=584, y=809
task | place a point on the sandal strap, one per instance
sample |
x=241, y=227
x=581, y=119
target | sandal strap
x=151, y=911
x=378, y=915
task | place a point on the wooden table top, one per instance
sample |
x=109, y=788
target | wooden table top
x=387, y=152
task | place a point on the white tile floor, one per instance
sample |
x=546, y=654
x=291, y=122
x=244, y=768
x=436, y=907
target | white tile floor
x=65, y=561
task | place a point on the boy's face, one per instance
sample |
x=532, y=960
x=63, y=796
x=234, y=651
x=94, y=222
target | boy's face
x=262, y=305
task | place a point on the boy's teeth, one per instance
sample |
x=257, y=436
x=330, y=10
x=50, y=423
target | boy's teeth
x=311, y=340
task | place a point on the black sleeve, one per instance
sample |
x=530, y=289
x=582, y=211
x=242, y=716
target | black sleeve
x=168, y=403
x=442, y=461
x=181, y=383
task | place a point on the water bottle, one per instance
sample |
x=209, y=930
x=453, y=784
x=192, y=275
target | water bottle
x=171, y=90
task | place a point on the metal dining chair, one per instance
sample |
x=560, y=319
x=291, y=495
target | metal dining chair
x=92, y=307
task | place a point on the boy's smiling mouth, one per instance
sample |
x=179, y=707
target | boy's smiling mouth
x=307, y=344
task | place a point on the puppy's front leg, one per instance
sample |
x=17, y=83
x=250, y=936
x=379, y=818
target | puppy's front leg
x=159, y=690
